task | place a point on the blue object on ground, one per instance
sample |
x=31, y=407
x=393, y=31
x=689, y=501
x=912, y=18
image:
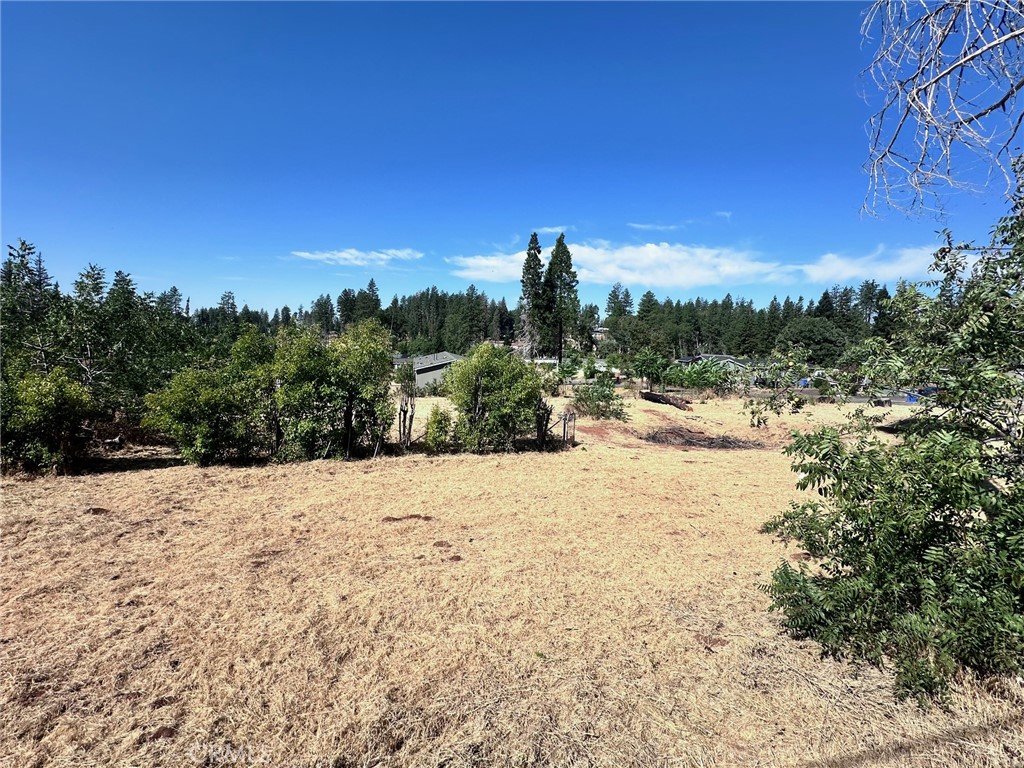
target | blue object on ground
x=911, y=398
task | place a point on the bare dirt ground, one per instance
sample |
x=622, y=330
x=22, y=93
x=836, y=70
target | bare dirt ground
x=595, y=607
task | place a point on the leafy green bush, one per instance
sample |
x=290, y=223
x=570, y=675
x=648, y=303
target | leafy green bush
x=363, y=358
x=920, y=541
x=599, y=400
x=308, y=414
x=222, y=414
x=292, y=397
x=650, y=365
x=550, y=379
x=705, y=375
x=209, y=415
x=495, y=394
x=439, y=430
x=43, y=417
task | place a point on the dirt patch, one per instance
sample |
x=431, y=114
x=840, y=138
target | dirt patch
x=595, y=431
x=399, y=519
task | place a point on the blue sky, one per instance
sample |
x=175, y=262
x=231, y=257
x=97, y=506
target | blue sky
x=285, y=150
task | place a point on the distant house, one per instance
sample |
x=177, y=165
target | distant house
x=428, y=368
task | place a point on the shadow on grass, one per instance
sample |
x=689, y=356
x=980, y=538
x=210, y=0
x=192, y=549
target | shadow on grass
x=131, y=460
x=910, y=747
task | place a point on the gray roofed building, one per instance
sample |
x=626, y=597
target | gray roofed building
x=431, y=368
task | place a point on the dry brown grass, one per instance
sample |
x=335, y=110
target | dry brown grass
x=595, y=607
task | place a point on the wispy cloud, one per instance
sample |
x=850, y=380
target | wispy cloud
x=654, y=227
x=352, y=257
x=682, y=266
x=555, y=230
x=882, y=264
x=727, y=215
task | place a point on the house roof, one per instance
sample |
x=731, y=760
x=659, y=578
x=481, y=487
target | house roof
x=429, y=361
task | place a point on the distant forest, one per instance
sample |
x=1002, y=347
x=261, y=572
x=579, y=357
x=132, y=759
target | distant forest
x=106, y=353
x=163, y=331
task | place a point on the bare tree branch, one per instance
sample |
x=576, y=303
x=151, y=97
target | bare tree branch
x=950, y=72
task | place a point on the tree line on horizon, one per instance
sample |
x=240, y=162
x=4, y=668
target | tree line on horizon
x=547, y=318
x=103, y=346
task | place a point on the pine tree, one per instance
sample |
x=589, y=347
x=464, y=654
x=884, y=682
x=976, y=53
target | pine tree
x=561, y=297
x=531, y=303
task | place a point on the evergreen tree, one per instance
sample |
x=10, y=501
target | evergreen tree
x=825, y=307
x=649, y=309
x=560, y=283
x=347, y=307
x=531, y=302
x=627, y=301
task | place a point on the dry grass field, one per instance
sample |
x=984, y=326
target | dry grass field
x=596, y=607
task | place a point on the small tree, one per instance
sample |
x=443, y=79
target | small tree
x=307, y=401
x=650, y=365
x=405, y=377
x=599, y=400
x=224, y=413
x=495, y=393
x=42, y=418
x=439, y=430
x=363, y=358
x=920, y=542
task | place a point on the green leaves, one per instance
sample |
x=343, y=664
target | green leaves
x=919, y=543
x=495, y=394
x=42, y=416
x=599, y=400
x=290, y=397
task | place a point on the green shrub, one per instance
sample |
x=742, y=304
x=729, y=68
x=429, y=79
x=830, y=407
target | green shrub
x=439, y=430
x=308, y=406
x=292, y=397
x=495, y=394
x=363, y=358
x=210, y=416
x=650, y=365
x=920, y=541
x=705, y=375
x=43, y=416
x=599, y=400
x=550, y=379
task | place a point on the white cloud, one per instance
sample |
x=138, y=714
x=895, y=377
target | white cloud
x=681, y=266
x=654, y=227
x=351, y=257
x=555, y=230
x=661, y=265
x=727, y=215
x=498, y=268
x=671, y=265
x=882, y=265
